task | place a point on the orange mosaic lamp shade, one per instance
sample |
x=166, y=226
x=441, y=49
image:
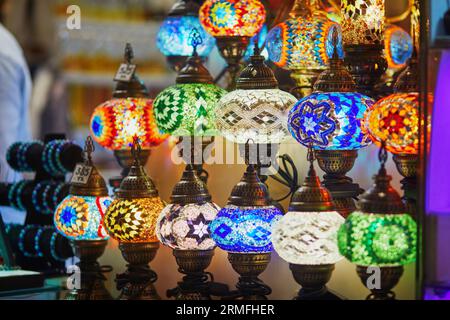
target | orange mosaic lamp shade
x=115, y=122
x=243, y=18
x=395, y=119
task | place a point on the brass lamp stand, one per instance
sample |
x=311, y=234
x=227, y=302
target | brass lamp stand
x=137, y=282
x=232, y=49
x=407, y=164
x=389, y=277
x=250, y=192
x=92, y=285
x=135, y=88
x=312, y=197
x=335, y=164
x=366, y=63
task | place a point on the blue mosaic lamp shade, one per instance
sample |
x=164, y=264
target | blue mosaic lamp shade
x=173, y=37
x=245, y=229
x=398, y=46
x=81, y=217
x=331, y=121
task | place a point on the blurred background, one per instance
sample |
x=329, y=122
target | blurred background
x=72, y=72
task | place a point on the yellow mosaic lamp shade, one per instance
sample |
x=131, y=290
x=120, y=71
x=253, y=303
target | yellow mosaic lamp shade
x=362, y=21
x=134, y=220
x=132, y=216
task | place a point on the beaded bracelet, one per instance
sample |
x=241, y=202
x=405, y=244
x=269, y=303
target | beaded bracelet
x=9, y=154
x=22, y=235
x=51, y=157
x=53, y=247
x=15, y=194
x=37, y=247
x=48, y=207
x=35, y=196
x=21, y=155
x=56, y=194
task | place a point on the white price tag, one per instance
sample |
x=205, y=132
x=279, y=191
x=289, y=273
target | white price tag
x=81, y=174
x=125, y=72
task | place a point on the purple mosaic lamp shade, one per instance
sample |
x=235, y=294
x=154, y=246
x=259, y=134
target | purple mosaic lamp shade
x=438, y=182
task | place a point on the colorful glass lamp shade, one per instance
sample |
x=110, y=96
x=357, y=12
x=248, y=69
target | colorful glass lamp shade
x=306, y=237
x=183, y=225
x=232, y=23
x=244, y=229
x=189, y=107
x=380, y=233
x=131, y=220
x=225, y=18
x=394, y=120
x=303, y=44
x=79, y=217
x=398, y=46
x=257, y=109
x=116, y=122
x=330, y=120
x=173, y=40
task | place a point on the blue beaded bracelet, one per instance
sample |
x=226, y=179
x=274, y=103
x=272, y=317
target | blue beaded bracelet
x=53, y=247
x=22, y=235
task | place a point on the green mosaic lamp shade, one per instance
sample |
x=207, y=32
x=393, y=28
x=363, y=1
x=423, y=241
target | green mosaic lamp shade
x=188, y=109
x=378, y=239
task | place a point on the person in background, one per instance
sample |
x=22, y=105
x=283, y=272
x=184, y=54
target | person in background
x=15, y=92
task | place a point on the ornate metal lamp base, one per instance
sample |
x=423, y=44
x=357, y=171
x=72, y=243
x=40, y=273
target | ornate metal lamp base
x=176, y=63
x=367, y=64
x=389, y=278
x=335, y=164
x=195, y=283
x=407, y=165
x=313, y=279
x=92, y=285
x=304, y=81
x=137, y=282
x=249, y=266
x=125, y=160
x=232, y=49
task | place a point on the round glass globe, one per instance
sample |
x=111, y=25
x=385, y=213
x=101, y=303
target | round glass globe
x=81, y=217
x=134, y=220
x=303, y=43
x=188, y=109
x=173, y=37
x=232, y=17
x=378, y=239
x=245, y=229
x=308, y=238
x=259, y=115
x=395, y=120
x=116, y=122
x=185, y=227
x=330, y=121
x=398, y=46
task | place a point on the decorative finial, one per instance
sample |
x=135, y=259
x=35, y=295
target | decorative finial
x=382, y=157
x=195, y=39
x=311, y=156
x=129, y=54
x=89, y=148
x=256, y=51
x=335, y=41
x=136, y=150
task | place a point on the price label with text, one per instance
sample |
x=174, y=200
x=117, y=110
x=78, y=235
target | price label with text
x=81, y=174
x=125, y=72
